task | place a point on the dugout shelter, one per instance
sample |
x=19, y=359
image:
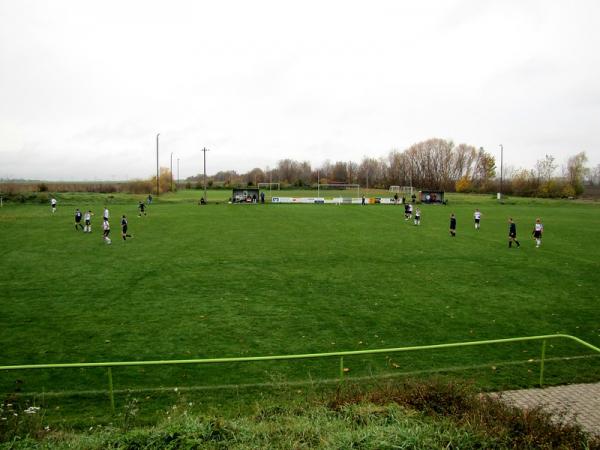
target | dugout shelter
x=432, y=197
x=245, y=195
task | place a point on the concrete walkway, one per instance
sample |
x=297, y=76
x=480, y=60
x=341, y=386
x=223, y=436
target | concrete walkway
x=578, y=402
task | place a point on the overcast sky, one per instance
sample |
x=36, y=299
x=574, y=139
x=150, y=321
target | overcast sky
x=85, y=86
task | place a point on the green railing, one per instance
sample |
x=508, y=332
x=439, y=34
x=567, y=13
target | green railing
x=110, y=365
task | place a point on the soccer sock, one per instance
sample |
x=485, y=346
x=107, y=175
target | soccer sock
x=518, y=245
x=509, y=244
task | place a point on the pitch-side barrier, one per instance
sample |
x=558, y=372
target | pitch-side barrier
x=340, y=355
x=336, y=200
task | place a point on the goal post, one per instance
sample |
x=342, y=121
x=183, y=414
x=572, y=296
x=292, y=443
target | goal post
x=339, y=186
x=406, y=190
x=271, y=186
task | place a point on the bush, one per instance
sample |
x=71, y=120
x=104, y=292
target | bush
x=464, y=185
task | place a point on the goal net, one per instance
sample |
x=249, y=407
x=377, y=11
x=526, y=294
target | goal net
x=270, y=186
x=338, y=187
x=406, y=190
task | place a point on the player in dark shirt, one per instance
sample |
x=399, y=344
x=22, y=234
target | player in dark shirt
x=78, y=217
x=512, y=233
x=142, y=209
x=453, y=225
x=124, y=228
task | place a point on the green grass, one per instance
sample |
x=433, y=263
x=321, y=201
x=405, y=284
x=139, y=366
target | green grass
x=248, y=280
x=411, y=415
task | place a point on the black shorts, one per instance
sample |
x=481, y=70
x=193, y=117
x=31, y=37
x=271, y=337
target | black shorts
x=124, y=227
x=87, y=222
x=477, y=220
x=537, y=234
x=106, y=232
x=77, y=219
x=512, y=235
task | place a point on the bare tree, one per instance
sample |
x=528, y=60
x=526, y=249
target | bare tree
x=576, y=171
x=545, y=168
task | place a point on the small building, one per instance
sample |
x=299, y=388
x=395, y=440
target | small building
x=245, y=195
x=431, y=197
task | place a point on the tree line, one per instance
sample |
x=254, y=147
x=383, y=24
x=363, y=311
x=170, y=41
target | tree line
x=431, y=164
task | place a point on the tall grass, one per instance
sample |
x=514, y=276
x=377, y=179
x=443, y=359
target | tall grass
x=420, y=415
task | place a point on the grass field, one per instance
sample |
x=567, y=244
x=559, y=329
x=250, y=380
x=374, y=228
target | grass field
x=247, y=280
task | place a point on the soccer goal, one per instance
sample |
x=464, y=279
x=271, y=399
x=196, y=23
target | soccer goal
x=406, y=190
x=271, y=186
x=395, y=189
x=337, y=186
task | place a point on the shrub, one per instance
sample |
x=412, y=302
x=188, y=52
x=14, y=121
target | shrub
x=464, y=185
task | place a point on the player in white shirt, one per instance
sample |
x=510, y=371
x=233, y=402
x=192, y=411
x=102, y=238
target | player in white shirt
x=538, y=230
x=87, y=218
x=106, y=228
x=410, y=211
x=53, y=204
x=417, y=216
x=477, y=217
x=105, y=214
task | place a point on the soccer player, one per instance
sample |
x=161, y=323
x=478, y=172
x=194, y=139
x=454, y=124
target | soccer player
x=105, y=214
x=53, y=204
x=124, y=228
x=78, y=217
x=512, y=233
x=106, y=228
x=538, y=230
x=410, y=211
x=452, y=225
x=88, y=221
x=477, y=217
x=406, y=211
x=142, y=209
x=417, y=216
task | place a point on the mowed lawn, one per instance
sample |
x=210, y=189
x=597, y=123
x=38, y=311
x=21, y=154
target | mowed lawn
x=250, y=280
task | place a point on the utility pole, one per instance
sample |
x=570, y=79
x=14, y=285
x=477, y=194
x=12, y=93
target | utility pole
x=178, y=172
x=205, y=150
x=157, y=171
x=171, y=171
x=501, y=168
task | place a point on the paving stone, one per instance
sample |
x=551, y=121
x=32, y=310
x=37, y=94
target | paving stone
x=575, y=402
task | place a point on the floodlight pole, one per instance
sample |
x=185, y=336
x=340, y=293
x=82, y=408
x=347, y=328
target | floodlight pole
x=171, y=171
x=501, y=167
x=178, y=172
x=157, y=171
x=318, y=184
x=204, y=150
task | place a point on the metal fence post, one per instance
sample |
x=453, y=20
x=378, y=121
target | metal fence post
x=542, y=363
x=341, y=368
x=111, y=393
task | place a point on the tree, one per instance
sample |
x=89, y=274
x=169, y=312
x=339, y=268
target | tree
x=339, y=172
x=576, y=171
x=484, y=169
x=255, y=176
x=164, y=180
x=545, y=168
